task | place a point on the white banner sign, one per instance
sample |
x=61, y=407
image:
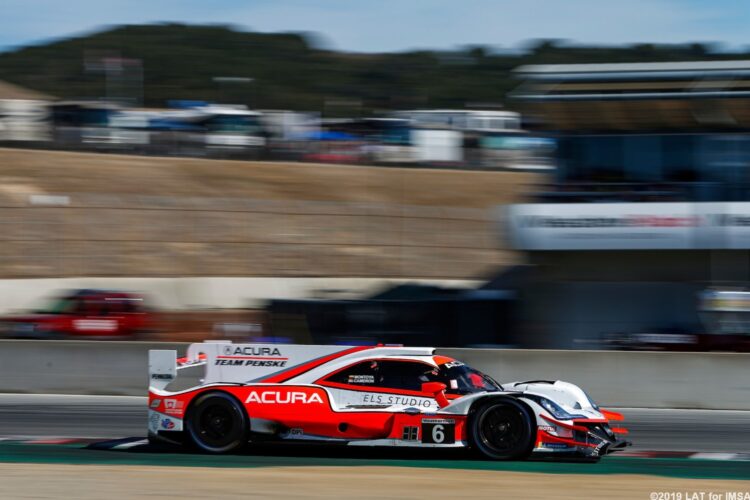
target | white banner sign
x=629, y=226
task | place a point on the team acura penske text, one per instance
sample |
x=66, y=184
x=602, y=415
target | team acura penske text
x=366, y=396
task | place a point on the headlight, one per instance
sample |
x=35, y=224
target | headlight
x=556, y=410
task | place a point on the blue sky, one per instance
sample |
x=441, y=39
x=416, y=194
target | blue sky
x=392, y=25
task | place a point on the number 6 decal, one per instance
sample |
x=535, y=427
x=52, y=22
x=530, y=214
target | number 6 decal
x=438, y=435
x=438, y=431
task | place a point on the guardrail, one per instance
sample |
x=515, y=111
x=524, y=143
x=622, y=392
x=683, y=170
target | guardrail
x=613, y=378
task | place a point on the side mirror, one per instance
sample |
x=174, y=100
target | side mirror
x=437, y=389
x=433, y=387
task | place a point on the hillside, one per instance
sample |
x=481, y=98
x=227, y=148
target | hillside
x=51, y=172
x=112, y=215
x=290, y=72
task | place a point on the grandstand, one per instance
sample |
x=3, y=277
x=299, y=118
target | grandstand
x=648, y=205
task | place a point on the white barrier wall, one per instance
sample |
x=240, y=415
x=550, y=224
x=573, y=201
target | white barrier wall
x=77, y=367
x=613, y=378
x=628, y=379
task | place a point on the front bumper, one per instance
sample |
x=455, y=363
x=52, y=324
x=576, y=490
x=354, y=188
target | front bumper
x=582, y=439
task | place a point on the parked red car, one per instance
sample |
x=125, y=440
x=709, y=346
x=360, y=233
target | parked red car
x=82, y=314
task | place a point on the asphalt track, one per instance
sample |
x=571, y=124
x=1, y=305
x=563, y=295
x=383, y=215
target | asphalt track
x=113, y=417
x=102, y=461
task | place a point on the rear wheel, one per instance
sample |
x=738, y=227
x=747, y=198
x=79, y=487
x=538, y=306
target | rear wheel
x=216, y=423
x=502, y=430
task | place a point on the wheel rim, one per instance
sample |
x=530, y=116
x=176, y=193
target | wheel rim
x=502, y=429
x=216, y=425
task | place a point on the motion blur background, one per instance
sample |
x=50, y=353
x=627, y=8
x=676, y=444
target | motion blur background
x=184, y=181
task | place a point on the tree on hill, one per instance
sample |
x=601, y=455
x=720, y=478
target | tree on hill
x=157, y=63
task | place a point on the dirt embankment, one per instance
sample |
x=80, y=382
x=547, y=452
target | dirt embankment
x=115, y=482
x=28, y=171
x=82, y=214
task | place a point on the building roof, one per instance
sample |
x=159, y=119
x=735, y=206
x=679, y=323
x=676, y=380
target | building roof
x=650, y=70
x=11, y=91
x=637, y=96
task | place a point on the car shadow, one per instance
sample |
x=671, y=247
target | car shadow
x=292, y=450
x=353, y=454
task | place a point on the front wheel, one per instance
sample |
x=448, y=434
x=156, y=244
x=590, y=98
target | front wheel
x=216, y=423
x=502, y=430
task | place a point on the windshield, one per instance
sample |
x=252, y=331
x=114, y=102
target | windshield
x=460, y=379
x=58, y=305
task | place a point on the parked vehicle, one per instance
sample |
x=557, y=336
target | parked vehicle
x=82, y=314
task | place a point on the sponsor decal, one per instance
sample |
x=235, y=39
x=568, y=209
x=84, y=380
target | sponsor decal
x=453, y=363
x=167, y=423
x=438, y=421
x=547, y=428
x=599, y=448
x=153, y=422
x=161, y=376
x=275, y=397
x=174, y=406
x=234, y=350
x=296, y=432
x=155, y=403
x=250, y=362
x=390, y=400
x=556, y=446
x=361, y=379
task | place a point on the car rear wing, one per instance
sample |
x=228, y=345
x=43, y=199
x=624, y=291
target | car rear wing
x=226, y=362
x=162, y=367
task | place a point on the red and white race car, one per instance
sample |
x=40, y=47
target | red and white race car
x=222, y=396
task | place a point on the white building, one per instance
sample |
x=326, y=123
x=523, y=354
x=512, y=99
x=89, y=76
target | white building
x=24, y=114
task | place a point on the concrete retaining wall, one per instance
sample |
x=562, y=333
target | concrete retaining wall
x=77, y=367
x=630, y=379
x=638, y=379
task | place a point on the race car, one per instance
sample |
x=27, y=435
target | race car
x=222, y=396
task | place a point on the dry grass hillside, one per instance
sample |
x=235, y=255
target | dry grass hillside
x=63, y=172
x=133, y=215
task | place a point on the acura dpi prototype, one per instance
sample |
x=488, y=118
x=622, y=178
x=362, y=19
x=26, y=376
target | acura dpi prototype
x=222, y=396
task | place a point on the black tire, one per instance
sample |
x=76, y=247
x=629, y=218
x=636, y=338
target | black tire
x=217, y=423
x=502, y=429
